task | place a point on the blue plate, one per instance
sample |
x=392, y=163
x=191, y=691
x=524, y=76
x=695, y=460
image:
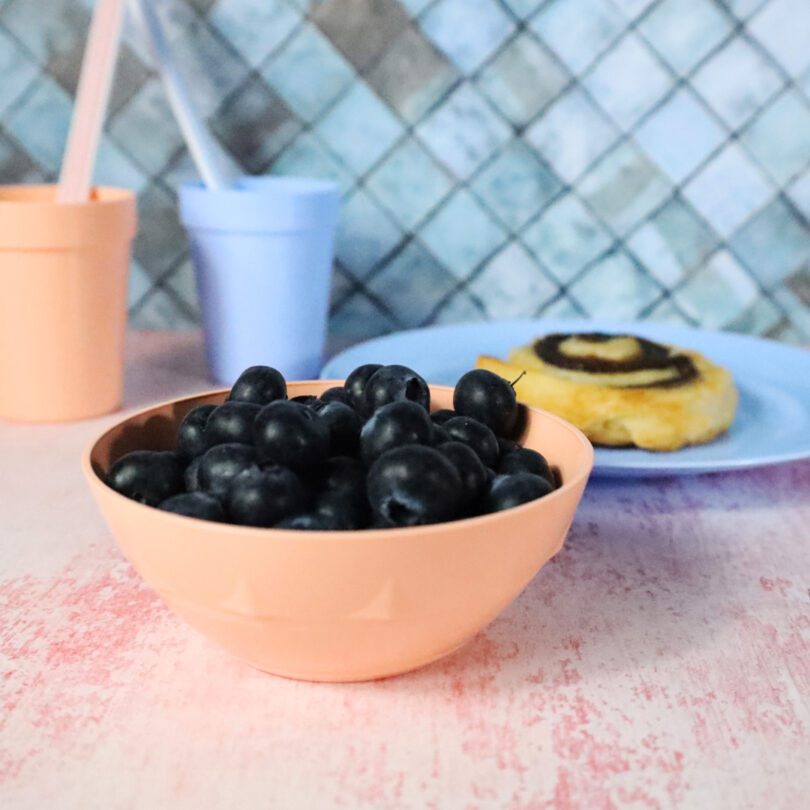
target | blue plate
x=772, y=424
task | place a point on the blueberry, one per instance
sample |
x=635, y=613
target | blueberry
x=344, y=426
x=259, y=385
x=506, y=446
x=147, y=476
x=343, y=476
x=395, y=384
x=306, y=399
x=508, y=491
x=355, y=385
x=414, y=485
x=487, y=398
x=231, y=422
x=394, y=425
x=308, y=522
x=196, y=505
x=192, y=475
x=442, y=415
x=221, y=464
x=191, y=435
x=292, y=435
x=557, y=475
x=263, y=497
x=336, y=394
x=342, y=514
x=342, y=492
x=440, y=436
x=474, y=477
x=525, y=460
x=478, y=436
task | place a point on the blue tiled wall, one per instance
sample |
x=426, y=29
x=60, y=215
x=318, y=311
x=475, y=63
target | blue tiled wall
x=499, y=158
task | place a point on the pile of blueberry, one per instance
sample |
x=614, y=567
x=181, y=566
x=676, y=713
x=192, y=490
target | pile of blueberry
x=366, y=455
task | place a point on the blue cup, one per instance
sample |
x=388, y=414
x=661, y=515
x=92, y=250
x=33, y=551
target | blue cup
x=262, y=254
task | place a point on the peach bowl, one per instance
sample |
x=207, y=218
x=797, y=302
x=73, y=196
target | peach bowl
x=338, y=606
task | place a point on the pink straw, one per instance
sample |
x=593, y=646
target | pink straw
x=98, y=67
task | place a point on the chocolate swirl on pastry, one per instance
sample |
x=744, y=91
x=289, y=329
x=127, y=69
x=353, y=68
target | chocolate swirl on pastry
x=617, y=361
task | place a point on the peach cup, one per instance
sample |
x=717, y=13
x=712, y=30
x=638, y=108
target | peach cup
x=338, y=606
x=63, y=312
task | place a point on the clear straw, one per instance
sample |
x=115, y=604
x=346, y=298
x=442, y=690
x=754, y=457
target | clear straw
x=214, y=165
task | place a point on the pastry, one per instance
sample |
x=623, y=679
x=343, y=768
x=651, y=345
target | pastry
x=622, y=390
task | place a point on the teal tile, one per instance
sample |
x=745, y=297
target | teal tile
x=566, y=237
x=361, y=29
x=182, y=283
x=524, y=8
x=578, y=31
x=685, y=31
x=409, y=183
x=17, y=69
x=624, y=188
x=779, y=137
x=744, y=8
x=728, y=190
x=255, y=124
x=504, y=82
x=462, y=234
x=633, y=9
x=467, y=31
x=628, y=81
x=359, y=318
x=759, y=319
x=161, y=239
x=412, y=75
x=774, y=244
x=460, y=307
x=307, y=157
x=159, y=309
x=680, y=135
x=672, y=243
x=667, y=313
x=563, y=308
x=138, y=284
x=343, y=285
x=270, y=23
x=464, y=131
x=783, y=26
x=290, y=72
x=516, y=185
x=615, y=287
x=415, y=7
x=214, y=70
x=736, y=82
x=799, y=193
x=365, y=234
x=359, y=129
x=413, y=285
x=718, y=293
x=40, y=121
x=15, y=164
x=114, y=167
x=512, y=285
x=797, y=306
x=148, y=111
x=572, y=134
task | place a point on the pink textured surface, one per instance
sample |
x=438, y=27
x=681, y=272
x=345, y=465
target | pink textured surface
x=662, y=659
